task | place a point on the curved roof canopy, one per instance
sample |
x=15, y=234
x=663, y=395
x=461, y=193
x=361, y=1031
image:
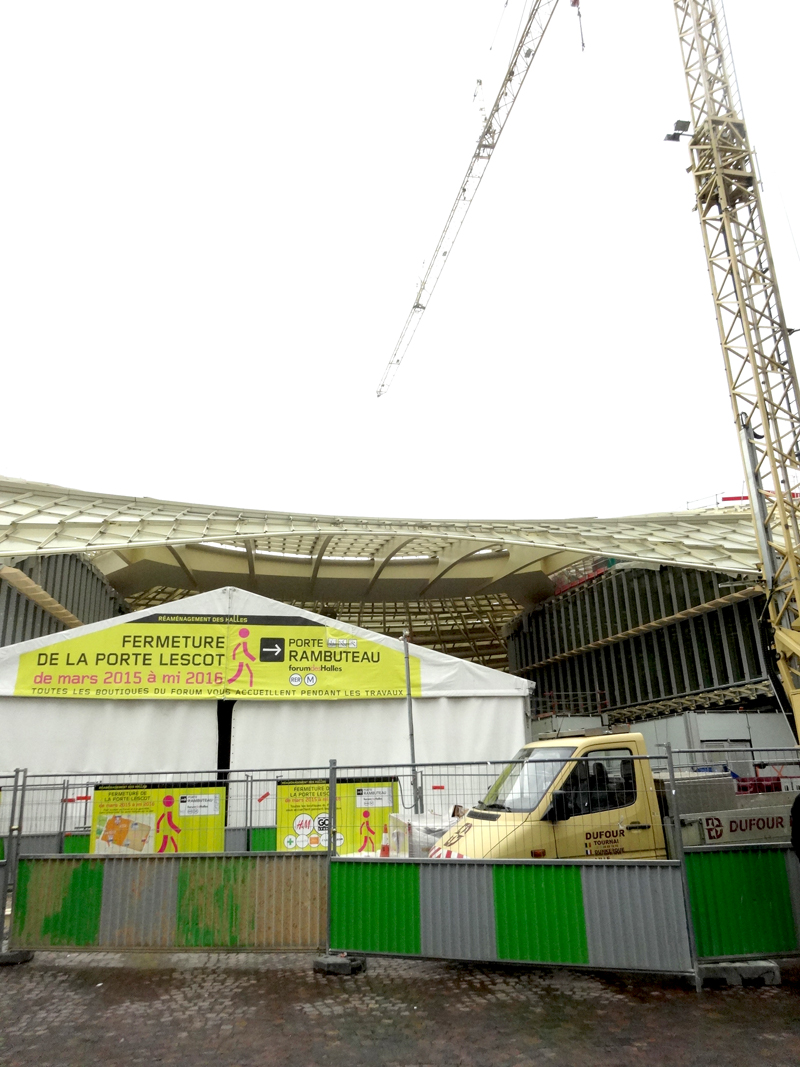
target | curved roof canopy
x=380, y=571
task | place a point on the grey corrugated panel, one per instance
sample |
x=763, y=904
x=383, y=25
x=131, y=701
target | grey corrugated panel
x=140, y=899
x=40, y=845
x=68, y=579
x=4, y=591
x=456, y=903
x=635, y=917
x=793, y=874
x=235, y=839
x=75, y=575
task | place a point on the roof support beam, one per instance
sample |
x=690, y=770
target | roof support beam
x=323, y=543
x=34, y=592
x=517, y=559
x=388, y=552
x=459, y=552
x=251, y=560
x=184, y=566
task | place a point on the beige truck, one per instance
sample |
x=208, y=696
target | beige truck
x=591, y=795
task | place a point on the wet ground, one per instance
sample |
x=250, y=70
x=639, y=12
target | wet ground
x=240, y=1010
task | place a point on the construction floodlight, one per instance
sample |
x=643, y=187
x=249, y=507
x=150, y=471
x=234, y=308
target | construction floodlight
x=681, y=126
x=673, y=137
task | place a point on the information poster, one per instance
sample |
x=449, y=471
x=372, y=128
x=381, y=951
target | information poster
x=204, y=657
x=142, y=820
x=362, y=811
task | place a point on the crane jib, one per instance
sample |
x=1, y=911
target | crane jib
x=524, y=53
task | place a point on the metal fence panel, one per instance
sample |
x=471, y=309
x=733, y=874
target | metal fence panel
x=375, y=907
x=40, y=845
x=635, y=917
x=276, y=902
x=3, y=899
x=139, y=903
x=741, y=903
x=457, y=911
x=793, y=875
x=183, y=902
x=539, y=913
x=57, y=903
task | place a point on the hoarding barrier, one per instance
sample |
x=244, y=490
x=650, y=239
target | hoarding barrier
x=112, y=903
x=620, y=915
x=745, y=901
x=436, y=860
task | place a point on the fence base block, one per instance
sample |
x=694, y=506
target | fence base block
x=8, y=959
x=766, y=971
x=340, y=964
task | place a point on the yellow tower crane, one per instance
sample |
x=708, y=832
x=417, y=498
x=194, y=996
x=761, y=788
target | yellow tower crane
x=762, y=380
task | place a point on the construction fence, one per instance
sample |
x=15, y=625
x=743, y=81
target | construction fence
x=611, y=861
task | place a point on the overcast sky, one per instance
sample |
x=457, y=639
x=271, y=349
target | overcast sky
x=215, y=217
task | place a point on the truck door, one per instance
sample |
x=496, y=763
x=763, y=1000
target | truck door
x=603, y=810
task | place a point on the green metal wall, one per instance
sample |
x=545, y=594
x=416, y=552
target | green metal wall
x=376, y=907
x=742, y=902
x=539, y=914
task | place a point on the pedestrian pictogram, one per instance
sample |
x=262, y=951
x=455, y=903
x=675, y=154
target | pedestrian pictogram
x=244, y=633
x=367, y=834
x=166, y=816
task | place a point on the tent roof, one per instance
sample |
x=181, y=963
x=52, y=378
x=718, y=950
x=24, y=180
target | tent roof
x=442, y=675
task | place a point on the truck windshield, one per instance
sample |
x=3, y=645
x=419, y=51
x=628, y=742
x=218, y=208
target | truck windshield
x=524, y=782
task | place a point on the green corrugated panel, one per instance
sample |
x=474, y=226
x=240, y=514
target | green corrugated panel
x=740, y=903
x=539, y=914
x=375, y=907
x=57, y=903
x=216, y=902
x=264, y=839
x=76, y=844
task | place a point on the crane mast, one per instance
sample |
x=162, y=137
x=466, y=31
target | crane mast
x=524, y=53
x=762, y=380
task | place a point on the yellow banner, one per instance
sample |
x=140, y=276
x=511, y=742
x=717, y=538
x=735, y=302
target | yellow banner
x=139, y=820
x=170, y=657
x=362, y=816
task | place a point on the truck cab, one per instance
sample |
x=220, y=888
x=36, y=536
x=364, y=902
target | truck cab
x=583, y=796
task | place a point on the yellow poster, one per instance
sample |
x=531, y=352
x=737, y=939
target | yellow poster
x=362, y=816
x=170, y=657
x=131, y=820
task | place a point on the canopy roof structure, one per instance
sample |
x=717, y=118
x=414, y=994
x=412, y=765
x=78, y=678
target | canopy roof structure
x=453, y=583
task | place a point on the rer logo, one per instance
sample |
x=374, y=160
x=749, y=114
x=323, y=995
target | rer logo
x=273, y=649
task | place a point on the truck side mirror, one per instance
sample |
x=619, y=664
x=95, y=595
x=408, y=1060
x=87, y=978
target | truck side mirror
x=560, y=807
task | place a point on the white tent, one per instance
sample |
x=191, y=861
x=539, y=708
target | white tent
x=142, y=693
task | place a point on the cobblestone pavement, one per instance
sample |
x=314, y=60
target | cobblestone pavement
x=79, y=1010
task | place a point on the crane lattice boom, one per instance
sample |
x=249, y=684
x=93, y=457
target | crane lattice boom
x=535, y=26
x=755, y=342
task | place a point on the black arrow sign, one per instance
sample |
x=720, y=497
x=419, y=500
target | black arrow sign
x=273, y=649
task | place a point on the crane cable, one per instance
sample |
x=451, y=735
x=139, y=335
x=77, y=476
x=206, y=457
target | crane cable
x=577, y=5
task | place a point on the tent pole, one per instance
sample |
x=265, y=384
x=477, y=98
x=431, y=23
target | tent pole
x=415, y=783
